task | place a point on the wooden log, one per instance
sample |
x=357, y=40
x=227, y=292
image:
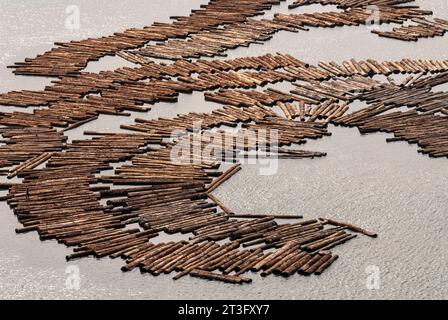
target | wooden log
x=326, y=264
x=351, y=227
x=219, y=277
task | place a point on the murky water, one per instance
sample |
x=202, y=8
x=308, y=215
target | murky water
x=389, y=188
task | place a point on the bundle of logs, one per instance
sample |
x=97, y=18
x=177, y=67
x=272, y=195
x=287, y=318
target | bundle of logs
x=24, y=143
x=422, y=28
x=213, y=74
x=299, y=248
x=212, y=43
x=70, y=58
x=62, y=201
x=348, y=3
x=221, y=25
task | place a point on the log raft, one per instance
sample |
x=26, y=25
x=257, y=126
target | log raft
x=65, y=194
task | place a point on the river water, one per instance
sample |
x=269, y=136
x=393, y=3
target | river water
x=389, y=188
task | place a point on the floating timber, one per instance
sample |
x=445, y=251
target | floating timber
x=113, y=194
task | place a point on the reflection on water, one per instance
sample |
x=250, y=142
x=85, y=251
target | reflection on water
x=389, y=188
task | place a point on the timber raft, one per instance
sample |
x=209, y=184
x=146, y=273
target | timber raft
x=64, y=193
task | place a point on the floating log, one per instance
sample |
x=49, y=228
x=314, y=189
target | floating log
x=350, y=227
x=220, y=277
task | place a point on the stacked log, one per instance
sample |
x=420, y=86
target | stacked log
x=212, y=43
x=60, y=203
x=268, y=97
x=245, y=143
x=57, y=200
x=116, y=99
x=69, y=58
x=24, y=144
x=69, y=88
x=30, y=164
x=370, y=67
x=422, y=28
x=227, y=115
x=348, y=3
x=216, y=27
x=429, y=131
x=176, y=202
x=327, y=111
x=289, y=131
x=127, y=95
x=203, y=259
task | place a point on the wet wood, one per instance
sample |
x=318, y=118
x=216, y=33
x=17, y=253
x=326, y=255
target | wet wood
x=66, y=195
x=220, y=277
x=351, y=227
